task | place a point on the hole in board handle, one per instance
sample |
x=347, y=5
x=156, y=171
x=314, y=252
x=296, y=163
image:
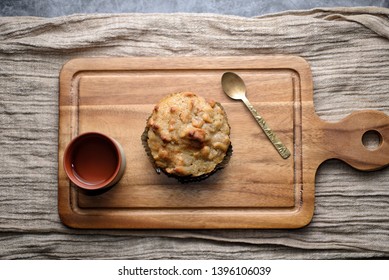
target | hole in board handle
x=372, y=140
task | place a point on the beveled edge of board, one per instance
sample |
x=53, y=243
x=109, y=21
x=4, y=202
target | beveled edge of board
x=296, y=217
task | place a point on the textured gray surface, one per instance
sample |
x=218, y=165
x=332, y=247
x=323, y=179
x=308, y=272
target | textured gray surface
x=348, y=50
x=52, y=8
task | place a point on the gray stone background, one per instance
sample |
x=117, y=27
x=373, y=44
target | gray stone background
x=249, y=8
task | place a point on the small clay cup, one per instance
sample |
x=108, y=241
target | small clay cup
x=94, y=162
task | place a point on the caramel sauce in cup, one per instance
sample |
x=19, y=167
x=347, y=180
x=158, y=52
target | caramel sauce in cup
x=94, y=162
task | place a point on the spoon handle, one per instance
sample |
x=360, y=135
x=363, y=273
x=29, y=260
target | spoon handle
x=281, y=148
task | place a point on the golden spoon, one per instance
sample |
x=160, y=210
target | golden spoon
x=234, y=87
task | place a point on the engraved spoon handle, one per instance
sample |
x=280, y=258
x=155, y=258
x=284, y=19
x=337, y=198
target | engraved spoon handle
x=281, y=148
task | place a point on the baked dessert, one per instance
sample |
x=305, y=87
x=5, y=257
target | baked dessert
x=187, y=136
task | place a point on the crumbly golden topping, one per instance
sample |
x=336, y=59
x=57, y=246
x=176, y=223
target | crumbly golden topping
x=187, y=135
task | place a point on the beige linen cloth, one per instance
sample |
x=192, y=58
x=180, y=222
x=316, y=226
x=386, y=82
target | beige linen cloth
x=348, y=50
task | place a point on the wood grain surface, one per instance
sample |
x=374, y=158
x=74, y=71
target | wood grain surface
x=257, y=189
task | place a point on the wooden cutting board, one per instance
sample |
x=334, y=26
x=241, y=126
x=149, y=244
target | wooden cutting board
x=258, y=189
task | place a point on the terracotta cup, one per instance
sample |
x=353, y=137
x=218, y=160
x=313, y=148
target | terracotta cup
x=94, y=162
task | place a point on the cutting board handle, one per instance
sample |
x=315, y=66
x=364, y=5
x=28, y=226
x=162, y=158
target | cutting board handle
x=344, y=140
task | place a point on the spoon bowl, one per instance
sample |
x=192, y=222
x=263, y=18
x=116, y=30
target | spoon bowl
x=234, y=86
